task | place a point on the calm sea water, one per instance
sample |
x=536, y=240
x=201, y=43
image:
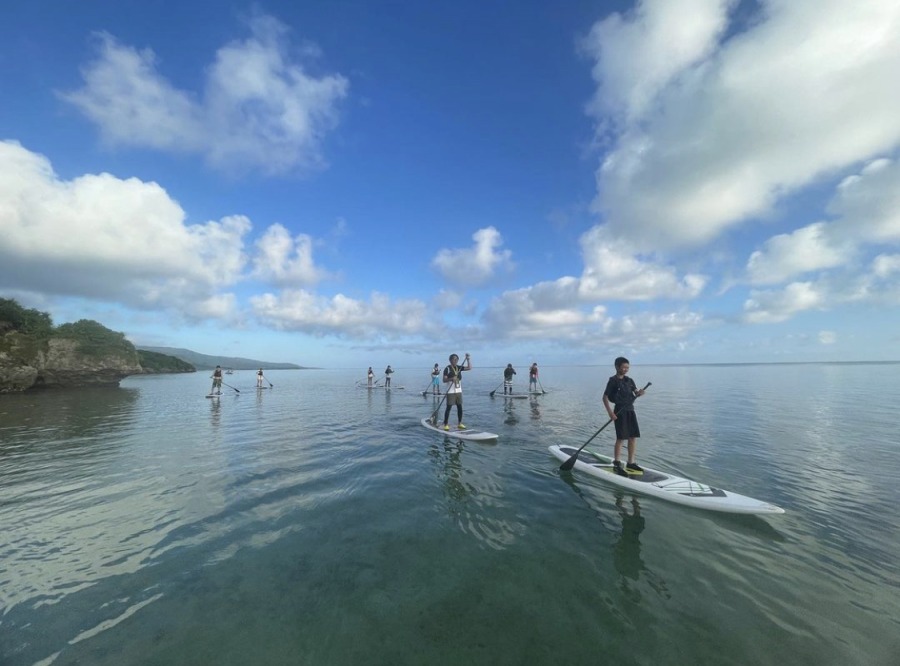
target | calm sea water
x=315, y=523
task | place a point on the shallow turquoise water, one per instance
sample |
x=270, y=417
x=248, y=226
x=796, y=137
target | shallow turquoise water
x=316, y=523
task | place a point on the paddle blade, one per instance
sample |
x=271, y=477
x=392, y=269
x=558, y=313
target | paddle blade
x=569, y=464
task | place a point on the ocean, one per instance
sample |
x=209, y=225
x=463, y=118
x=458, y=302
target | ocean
x=318, y=523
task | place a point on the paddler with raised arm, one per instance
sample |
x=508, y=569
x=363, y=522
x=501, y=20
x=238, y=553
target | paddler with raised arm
x=453, y=380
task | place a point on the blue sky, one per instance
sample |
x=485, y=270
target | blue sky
x=350, y=183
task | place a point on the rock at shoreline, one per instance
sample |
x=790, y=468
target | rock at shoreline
x=27, y=363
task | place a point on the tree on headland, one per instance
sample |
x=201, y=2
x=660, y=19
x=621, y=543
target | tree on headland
x=94, y=338
x=13, y=317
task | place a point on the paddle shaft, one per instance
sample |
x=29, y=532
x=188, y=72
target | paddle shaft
x=570, y=463
x=231, y=387
x=498, y=388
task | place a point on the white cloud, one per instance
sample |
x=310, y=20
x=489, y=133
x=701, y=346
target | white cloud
x=102, y=237
x=543, y=313
x=637, y=55
x=867, y=204
x=302, y=310
x=722, y=134
x=539, y=313
x=476, y=265
x=885, y=265
x=877, y=285
x=866, y=207
x=787, y=255
x=767, y=307
x=259, y=108
x=827, y=337
x=286, y=261
x=612, y=270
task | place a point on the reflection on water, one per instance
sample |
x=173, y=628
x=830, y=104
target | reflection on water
x=509, y=409
x=627, y=549
x=320, y=523
x=446, y=457
x=535, y=405
x=58, y=415
x=628, y=546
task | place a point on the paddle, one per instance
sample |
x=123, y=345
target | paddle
x=433, y=417
x=496, y=389
x=570, y=463
x=230, y=386
x=425, y=392
x=542, y=386
x=271, y=385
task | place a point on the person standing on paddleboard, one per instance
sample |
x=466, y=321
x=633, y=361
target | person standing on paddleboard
x=533, y=377
x=436, y=379
x=217, y=381
x=453, y=377
x=508, y=373
x=621, y=391
x=370, y=376
x=387, y=376
x=259, y=378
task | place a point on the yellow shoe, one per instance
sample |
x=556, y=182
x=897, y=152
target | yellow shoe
x=446, y=427
x=460, y=427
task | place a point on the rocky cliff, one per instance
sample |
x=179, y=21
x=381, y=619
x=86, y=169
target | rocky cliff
x=29, y=363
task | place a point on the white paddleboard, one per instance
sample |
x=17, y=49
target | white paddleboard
x=474, y=435
x=512, y=396
x=665, y=486
x=214, y=395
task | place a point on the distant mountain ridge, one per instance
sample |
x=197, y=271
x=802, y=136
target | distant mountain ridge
x=208, y=362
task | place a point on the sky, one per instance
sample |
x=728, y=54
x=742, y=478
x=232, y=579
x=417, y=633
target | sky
x=346, y=183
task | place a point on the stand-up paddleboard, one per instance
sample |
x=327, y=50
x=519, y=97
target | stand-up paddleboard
x=214, y=395
x=474, y=435
x=665, y=486
x=394, y=388
x=512, y=396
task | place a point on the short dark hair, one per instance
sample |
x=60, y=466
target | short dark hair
x=620, y=361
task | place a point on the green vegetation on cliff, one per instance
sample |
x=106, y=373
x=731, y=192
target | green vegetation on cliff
x=94, y=339
x=13, y=317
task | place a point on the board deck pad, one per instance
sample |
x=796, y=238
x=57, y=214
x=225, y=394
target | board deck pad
x=649, y=476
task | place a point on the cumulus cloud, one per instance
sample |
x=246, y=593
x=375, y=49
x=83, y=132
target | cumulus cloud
x=612, y=270
x=476, y=265
x=259, y=109
x=777, y=305
x=867, y=204
x=286, y=261
x=302, y=310
x=786, y=255
x=123, y=240
x=545, y=313
x=717, y=130
x=866, y=210
x=636, y=56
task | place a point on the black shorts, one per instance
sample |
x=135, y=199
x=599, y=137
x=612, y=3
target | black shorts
x=627, y=425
